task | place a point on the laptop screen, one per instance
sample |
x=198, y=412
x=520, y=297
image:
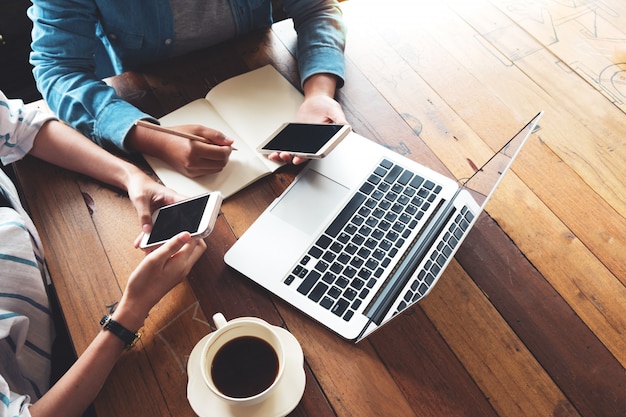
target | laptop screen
x=485, y=180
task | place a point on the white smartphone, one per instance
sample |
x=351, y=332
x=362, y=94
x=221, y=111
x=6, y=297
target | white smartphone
x=195, y=215
x=304, y=139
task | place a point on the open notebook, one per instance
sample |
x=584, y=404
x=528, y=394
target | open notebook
x=247, y=108
x=364, y=233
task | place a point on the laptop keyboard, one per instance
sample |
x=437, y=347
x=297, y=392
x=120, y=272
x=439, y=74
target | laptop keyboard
x=438, y=258
x=342, y=267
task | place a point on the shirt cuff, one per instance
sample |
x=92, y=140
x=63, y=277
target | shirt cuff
x=114, y=123
x=322, y=60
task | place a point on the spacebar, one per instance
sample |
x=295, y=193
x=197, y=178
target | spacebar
x=345, y=215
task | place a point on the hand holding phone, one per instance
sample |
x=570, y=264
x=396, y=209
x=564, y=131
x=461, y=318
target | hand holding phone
x=195, y=215
x=305, y=140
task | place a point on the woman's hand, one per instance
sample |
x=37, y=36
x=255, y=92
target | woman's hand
x=319, y=106
x=159, y=272
x=148, y=195
x=189, y=157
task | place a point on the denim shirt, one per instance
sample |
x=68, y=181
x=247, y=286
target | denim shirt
x=72, y=50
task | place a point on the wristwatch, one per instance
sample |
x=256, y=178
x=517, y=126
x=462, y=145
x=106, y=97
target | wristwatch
x=128, y=337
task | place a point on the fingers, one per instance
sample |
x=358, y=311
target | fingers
x=286, y=157
x=211, y=135
x=174, y=245
x=203, y=158
x=183, y=245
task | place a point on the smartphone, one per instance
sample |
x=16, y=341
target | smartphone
x=306, y=140
x=195, y=215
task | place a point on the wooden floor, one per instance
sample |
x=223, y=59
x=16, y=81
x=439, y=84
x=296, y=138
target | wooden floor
x=530, y=317
x=463, y=74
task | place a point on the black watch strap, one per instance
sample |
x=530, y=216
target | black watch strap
x=128, y=337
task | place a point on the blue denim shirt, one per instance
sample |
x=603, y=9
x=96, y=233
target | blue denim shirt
x=72, y=50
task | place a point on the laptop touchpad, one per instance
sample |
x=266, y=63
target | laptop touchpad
x=310, y=201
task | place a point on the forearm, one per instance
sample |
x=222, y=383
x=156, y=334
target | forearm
x=77, y=389
x=320, y=84
x=61, y=145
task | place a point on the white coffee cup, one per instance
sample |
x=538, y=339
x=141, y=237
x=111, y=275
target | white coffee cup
x=242, y=361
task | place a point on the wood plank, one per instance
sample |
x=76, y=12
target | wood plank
x=565, y=190
x=588, y=125
x=598, y=226
x=585, y=370
x=410, y=94
x=423, y=364
x=588, y=37
x=495, y=357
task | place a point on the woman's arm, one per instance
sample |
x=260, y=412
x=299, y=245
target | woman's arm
x=159, y=272
x=61, y=145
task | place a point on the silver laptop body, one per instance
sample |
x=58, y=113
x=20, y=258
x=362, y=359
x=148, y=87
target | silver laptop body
x=364, y=233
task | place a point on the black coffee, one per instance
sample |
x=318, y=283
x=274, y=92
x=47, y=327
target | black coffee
x=244, y=367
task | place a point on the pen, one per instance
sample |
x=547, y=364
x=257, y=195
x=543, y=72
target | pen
x=160, y=128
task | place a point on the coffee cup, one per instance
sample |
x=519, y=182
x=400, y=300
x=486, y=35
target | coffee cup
x=243, y=361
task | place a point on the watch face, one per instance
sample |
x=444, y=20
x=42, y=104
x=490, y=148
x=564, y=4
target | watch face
x=105, y=320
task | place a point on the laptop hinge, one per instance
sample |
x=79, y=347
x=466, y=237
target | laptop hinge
x=408, y=265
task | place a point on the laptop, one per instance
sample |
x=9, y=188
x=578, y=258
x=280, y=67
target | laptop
x=365, y=233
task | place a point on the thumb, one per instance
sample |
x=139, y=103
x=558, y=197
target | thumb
x=172, y=246
x=145, y=215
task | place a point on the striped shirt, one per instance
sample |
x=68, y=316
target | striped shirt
x=26, y=329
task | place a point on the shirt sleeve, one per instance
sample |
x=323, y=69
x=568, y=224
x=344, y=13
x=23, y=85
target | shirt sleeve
x=321, y=37
x=12, y=404
x=18, y=128
x=67, y=55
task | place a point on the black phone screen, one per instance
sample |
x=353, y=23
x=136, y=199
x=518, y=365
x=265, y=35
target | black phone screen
x=302, y=137
x=182, y=217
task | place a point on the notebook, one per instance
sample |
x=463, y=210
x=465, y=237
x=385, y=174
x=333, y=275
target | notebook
x=365, y=233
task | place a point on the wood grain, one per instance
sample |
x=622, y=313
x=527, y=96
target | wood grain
x=529, y=318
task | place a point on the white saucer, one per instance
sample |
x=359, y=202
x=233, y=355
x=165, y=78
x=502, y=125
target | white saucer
x=288, y=392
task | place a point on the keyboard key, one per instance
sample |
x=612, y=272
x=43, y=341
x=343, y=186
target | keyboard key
x=371, y=243
x=365, y=230
x=364, y=274
x=318, y=291
x=348, y=315
x=349, y=294
x=323, y=241
x=334, y=292
x=315, y=252
x=340, y=307
x=309, y=282
x=371, y=264
x=376, y=177
x=344, y=216
x=329, y=257
x=357, y=284
x=336, y=267
x=344, y=258
x=386, y=163
x=405, y=177
x=327, y=302
x=367, y=188
x=329, y=278
x=393, y=174
x=321, y=266
x=356, y=262
x=416, y=182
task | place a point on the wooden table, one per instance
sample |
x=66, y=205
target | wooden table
x=530, y=317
